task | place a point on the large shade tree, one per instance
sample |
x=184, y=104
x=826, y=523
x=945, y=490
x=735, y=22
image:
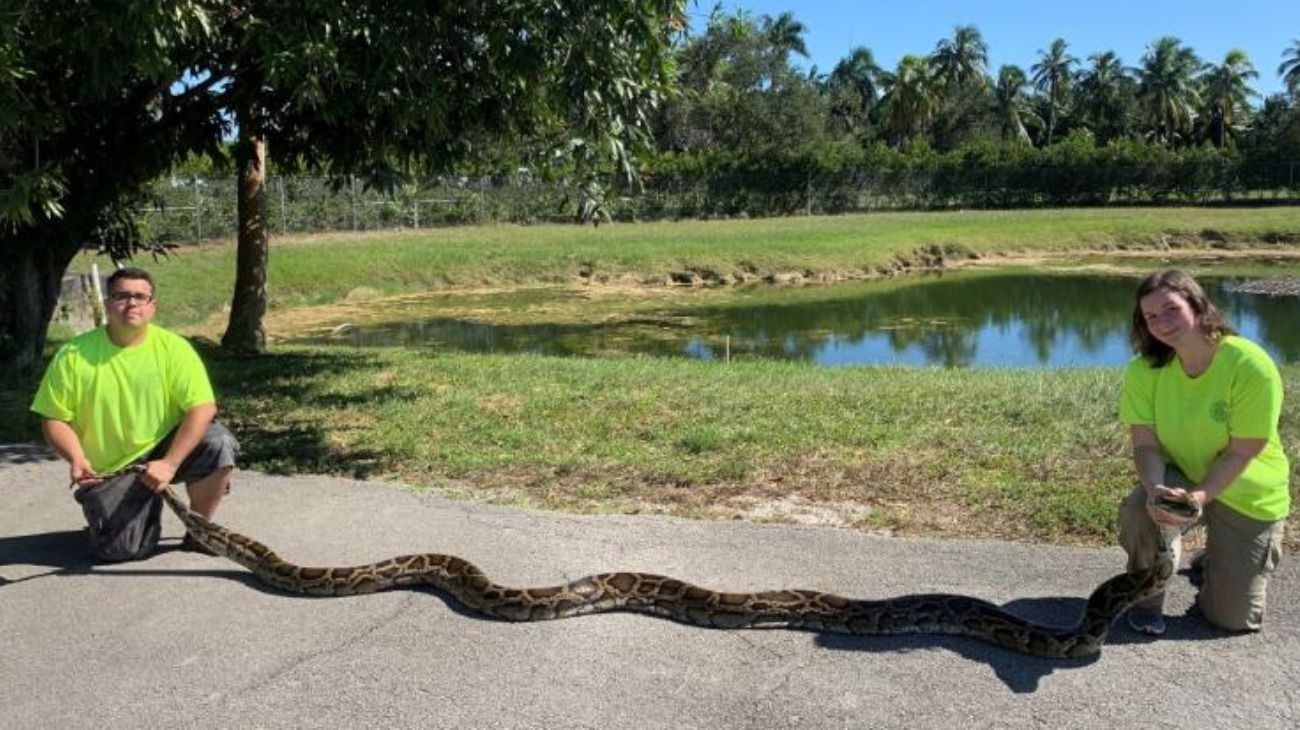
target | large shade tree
x=98, y=99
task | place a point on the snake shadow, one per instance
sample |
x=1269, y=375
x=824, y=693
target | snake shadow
x=1019, y=672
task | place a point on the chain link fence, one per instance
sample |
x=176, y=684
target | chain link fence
x=192, y=209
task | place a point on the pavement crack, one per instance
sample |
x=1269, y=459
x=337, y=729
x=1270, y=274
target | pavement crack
x=294, y=663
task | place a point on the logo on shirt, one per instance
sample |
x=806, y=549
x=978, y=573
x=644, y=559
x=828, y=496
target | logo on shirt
x=1219, y=411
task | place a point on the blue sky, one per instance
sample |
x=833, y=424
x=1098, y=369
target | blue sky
x=1015, y=30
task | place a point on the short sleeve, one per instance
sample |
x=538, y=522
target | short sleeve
x=56, y=397
x=1137, y=401
x=1256, y=400
x=190, y=385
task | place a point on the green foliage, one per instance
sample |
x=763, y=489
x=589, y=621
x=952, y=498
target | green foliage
x=739, y=91
x=99, y=99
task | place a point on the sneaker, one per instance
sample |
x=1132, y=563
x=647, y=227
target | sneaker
x=190, y=545
x=1146, y=621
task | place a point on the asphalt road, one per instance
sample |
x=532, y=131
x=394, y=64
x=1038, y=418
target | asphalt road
x=184, y=640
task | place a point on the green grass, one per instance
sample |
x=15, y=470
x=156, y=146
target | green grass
x=197, y=282
x=1026, y=455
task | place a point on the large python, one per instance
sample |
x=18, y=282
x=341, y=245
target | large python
x=680, y=601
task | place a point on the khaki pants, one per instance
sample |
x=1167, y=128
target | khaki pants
x=1240, y=554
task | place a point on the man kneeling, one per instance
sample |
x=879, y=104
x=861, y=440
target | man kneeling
x=135, y=393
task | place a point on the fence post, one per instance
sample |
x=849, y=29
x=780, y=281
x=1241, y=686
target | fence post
x=352, y=188
x=97, y=305
x=808, y=206
x=284, y=213
x=198, y=209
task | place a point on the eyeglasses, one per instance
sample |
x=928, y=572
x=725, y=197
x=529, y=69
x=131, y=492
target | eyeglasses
x=122, y=297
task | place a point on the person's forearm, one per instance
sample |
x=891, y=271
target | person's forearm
x=1227, y=466
x=60, y=436
x=1150, y=463
x=190, y=433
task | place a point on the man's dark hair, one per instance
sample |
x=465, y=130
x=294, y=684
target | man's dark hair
x=129, y=272
x=1209, y=320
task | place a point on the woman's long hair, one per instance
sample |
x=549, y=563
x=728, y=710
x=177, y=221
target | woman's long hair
x=1209, y=319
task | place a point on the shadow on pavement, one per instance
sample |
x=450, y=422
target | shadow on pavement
x=16, y=454
x=1019, y=672
x=64, y=552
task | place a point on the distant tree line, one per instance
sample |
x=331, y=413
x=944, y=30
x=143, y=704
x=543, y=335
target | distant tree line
x=1065, y=130
x=739, y=91
x=748, y=133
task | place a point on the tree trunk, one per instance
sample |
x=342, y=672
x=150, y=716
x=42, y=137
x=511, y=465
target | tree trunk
x=244, y=333
x=30, y=281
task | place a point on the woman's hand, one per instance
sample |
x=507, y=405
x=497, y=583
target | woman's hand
x=1161, y=516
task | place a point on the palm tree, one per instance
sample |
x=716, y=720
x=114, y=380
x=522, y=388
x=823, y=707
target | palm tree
x=961, y=60
x=786, y=34
x=911, y=99
x=1012, y=104
x=1052, y=76
x=1226, y=91
x=1166, y=91
x=854, y=85
x=1290, y=68
x=1104, y=93
x=858, y=71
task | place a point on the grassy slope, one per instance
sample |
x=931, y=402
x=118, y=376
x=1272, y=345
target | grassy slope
x=976, y=452
x=198, y=282
x=956, y=452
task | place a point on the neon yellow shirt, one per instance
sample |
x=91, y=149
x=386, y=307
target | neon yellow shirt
x=1239, y=395
x=122, y=401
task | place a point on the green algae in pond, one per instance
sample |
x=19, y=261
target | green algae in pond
x=989, y=317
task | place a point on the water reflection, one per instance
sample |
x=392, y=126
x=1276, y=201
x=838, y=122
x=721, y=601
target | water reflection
x=958, y=319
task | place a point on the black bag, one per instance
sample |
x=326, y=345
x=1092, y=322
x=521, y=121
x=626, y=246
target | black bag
x=124, y=515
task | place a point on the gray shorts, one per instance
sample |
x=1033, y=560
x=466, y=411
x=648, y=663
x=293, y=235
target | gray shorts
x=216, y=450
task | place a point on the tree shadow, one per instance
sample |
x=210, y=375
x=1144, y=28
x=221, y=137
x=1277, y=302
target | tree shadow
x=1022, y=673
x=17, y=422
x=257, y=392
x=247, y=388
x=19, y=454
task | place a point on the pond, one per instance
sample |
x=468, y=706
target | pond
x=975, y=318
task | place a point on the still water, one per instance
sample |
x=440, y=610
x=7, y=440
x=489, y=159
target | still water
x=960, y=319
